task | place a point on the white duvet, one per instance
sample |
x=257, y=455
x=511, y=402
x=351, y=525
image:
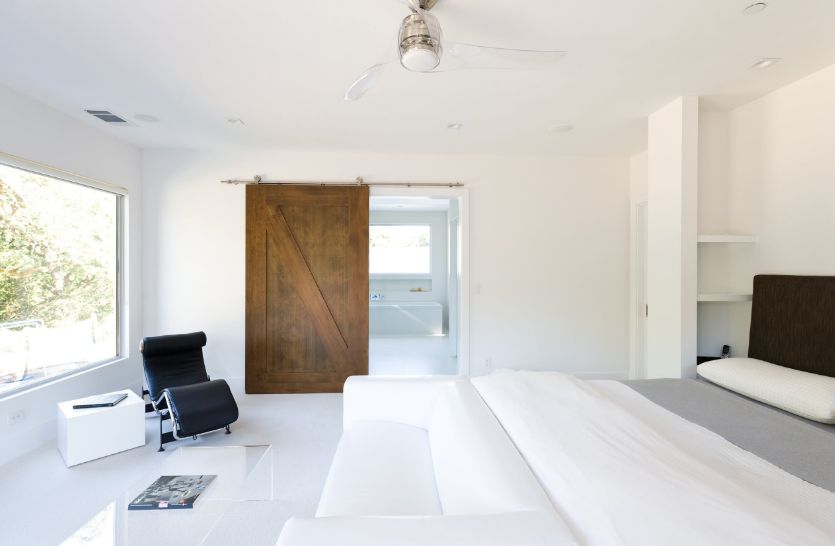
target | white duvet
x=622, y=470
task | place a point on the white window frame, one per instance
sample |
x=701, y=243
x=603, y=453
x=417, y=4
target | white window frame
x=408, y=275
x=121, y=194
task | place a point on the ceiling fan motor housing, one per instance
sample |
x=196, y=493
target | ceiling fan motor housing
x=419, y=50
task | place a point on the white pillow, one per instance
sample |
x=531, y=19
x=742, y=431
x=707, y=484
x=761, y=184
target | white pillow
x=806, y=394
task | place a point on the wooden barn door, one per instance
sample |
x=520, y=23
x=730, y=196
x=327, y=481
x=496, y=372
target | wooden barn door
x=306, y=287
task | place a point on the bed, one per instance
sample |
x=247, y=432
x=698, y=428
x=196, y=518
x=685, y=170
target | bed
x=543, y=458
x=793, y=326
x=684, y=461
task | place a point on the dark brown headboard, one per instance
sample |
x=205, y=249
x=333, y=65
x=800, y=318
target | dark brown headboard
x=793, y=322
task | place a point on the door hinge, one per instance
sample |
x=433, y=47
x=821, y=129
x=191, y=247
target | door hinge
x=646, y=309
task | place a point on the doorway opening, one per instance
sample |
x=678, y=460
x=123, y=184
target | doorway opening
x=417, y=315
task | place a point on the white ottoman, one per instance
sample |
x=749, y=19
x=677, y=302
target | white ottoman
x=87, y=434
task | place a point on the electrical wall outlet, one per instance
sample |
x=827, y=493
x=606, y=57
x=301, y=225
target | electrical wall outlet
x=488, y=364
x=16, y=417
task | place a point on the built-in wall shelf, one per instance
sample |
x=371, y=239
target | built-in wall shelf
x=719, y=238
x=725, y=297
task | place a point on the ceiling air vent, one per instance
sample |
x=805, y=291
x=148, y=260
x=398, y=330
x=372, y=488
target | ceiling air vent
x=106, y=116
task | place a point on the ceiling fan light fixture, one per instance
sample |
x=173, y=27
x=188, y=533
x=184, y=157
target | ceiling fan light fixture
x=420, y=58
x=421, y=47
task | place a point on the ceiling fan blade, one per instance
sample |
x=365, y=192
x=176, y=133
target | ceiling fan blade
x=458, y=56
x=365, y=82
x=369, y=78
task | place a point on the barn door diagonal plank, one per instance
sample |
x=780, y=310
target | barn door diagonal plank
x=306, y=286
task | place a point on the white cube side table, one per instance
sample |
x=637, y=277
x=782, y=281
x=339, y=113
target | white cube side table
x=91, y=433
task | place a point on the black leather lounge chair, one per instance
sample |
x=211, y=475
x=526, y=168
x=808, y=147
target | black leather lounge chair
x=181, y=391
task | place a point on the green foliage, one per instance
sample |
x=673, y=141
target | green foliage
x=57, y=250
x=399, y=236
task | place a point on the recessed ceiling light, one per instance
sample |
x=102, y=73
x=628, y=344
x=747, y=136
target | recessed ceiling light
x=765, y=62
x=560, y=128
x=754, y=9
x=148, y=118
x=454, y=126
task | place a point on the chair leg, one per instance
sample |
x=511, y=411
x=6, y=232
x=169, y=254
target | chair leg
x=160, y=435
x=227, y=430
x=149, y=408
x=165, y=437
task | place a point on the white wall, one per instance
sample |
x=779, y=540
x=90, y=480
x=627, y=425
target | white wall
x=775, y=178
x=638, y=176
x=671, y=220
x=37, y=133
x=548, y=246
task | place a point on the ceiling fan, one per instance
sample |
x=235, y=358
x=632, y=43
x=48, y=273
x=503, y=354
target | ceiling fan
x=421, y=47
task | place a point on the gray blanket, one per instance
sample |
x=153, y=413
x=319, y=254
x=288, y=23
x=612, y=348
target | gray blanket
x=798, y=446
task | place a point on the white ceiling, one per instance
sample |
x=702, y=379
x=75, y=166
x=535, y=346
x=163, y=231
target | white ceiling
x=282, y=67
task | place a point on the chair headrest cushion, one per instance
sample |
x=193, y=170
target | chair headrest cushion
x=164, y=345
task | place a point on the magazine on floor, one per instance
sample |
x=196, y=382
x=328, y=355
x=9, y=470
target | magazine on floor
x=171, y=492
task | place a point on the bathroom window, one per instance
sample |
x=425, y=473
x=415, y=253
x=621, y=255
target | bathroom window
x=400, y=249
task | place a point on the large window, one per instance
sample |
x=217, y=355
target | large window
x=59, y=251
x=400, y=249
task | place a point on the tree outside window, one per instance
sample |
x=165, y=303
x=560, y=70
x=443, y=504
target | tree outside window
x=400, y=249
x=58, y=281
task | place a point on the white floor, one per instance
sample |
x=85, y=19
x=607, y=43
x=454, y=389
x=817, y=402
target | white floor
x=42, y=502
x=422, y=355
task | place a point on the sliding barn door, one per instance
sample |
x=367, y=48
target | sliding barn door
x=306, y=287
